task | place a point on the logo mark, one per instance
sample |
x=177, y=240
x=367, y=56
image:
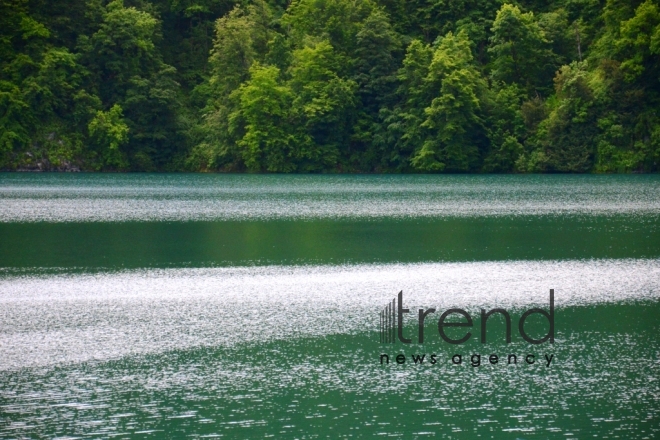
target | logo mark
x=391, y=323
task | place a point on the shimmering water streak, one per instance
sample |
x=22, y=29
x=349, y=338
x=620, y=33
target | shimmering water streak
x=115, y=198
x=51, y=319
x=603, y=383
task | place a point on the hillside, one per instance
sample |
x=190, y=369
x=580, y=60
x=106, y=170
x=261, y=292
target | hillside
x=380, y=86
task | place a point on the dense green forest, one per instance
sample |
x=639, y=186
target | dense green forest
x=330, y=85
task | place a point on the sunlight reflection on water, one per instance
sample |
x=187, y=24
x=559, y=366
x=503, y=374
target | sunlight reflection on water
x=229, y=197
x=51, y=319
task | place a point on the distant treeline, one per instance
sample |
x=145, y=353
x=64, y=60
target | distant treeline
x=330, y=85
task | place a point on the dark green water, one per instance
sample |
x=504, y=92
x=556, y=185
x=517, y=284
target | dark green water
x=319, y=241
x=167, y=306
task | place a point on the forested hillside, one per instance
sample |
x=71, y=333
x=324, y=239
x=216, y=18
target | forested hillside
x=330, y=85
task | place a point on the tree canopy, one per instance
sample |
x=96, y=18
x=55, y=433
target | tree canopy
x=330, y=85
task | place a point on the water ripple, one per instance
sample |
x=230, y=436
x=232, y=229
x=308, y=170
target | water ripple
x=228, y=197
x=52, y=319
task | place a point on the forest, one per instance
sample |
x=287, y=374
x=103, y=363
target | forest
x=330, y=86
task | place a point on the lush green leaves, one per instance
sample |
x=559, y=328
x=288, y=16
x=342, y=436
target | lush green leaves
x=520, y=49
x=330, y=86
x=264, y=111
x=109, y=131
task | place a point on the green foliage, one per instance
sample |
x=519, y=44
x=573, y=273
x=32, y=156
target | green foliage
x=323, y=102
x=124, y=55
x=506, y=129
x=263, y=115
x=567, y=136
x=520, y=49
x=337, y=21
x=452, y=120
x=435, y=18
x=330, y=85
x=241, y=38
x=109, y=132
x=403, y=124
x=639, y=45
x=378, y=51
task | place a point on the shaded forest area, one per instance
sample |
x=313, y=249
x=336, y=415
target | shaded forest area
x=330, y=85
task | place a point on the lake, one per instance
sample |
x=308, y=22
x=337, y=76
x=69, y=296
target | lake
x=247, y=306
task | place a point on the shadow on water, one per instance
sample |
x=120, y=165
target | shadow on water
x=322, y=241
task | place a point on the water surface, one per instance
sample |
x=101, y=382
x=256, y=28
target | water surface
x=170, y=306
x=118, y=198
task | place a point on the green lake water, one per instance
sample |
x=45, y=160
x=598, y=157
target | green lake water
x=244, y=306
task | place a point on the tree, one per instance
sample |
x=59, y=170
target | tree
x=263, y=116
x=324, y=103
x=36, y=93
x=377, y=52
x=435, y=18
x=377, y=47
x=403, y=131
x=241, y=38
x=567, y=136
x=324, y=85
x=453, y=121
x=109, y=132
x=520, y=50
x=506, y=129
x=639, y=44
x=337, y=21
x=123, y=53
x=188, y=35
